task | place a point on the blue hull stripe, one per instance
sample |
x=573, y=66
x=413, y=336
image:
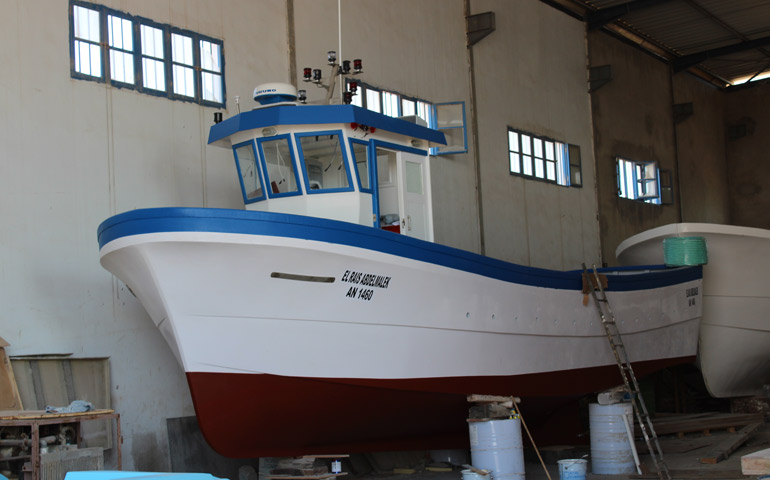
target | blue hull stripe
x=158, y=220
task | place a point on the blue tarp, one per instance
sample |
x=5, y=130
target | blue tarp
x=123, y=475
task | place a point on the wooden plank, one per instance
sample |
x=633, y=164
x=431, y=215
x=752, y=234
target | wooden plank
x=712, y=422
x=9, y=391
x=723, y=449
x=757, y=463
x=306, y=477
x=41, y=415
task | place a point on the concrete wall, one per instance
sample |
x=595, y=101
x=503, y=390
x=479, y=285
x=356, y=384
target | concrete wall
x=748, y=160
x=531, y=75
x=413, y=48
x=701, y=152
x=632, y=118
x=74, y=152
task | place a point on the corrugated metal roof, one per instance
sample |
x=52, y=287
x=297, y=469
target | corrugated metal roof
x=690, y=27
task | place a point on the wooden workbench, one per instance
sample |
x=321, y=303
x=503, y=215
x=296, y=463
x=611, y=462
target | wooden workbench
x=33, y=419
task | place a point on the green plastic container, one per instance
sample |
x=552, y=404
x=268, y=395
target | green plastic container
x=685, y=251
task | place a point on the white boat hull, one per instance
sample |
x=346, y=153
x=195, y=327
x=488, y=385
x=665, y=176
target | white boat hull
x=734, y=350
x=266, y=299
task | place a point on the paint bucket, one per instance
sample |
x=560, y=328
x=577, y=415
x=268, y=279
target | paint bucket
x=471, y=475
x=572, y=469
x=496, y=446
x=610, y=449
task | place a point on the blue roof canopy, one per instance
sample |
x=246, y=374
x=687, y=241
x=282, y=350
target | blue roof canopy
x=320, y=115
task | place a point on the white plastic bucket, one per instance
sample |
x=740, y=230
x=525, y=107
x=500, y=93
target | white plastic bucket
x=496, y=446
x=572, y=469
x=610, y=449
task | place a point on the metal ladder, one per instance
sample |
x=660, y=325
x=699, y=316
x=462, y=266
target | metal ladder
x=594, y=283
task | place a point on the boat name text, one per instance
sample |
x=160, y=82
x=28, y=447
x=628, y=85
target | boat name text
x=365, y=280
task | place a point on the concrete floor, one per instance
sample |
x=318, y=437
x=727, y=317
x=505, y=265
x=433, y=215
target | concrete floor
x=681, y=465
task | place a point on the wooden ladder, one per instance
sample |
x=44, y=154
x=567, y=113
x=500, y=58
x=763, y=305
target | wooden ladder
x=594, y=283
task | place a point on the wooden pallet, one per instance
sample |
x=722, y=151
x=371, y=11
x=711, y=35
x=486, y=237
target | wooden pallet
x=704, y=423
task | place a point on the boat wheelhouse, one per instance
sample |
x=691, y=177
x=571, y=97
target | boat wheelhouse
x=339, y=162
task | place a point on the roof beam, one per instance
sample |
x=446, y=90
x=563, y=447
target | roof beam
x=687, y=61
x=602, y=17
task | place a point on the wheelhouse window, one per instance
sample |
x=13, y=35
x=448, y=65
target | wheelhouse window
x=133, y=52
x=543, y=158
x=448, y=118
x=641, y=181
x=248, y=169
x=279, y=167
x=323, y=159
x=360, y=152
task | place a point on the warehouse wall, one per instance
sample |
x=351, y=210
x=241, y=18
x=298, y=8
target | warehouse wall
x=413, y=48
x=632, y=118
x=531, y=76
x=701, y=152
x=74, y=152
x=748, y=160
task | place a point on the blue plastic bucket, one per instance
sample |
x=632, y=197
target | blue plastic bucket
x=496, y=446
x=610, y=449
x=572, y=469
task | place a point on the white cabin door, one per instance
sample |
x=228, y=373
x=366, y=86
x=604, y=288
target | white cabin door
x=414, y=196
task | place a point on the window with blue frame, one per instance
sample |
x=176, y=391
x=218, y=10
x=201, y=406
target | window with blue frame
x=643, y=181
x=248, y=169
x=448, y=118
x=542, y=158
x=323, y=160
x=359, y=150
x=278, y=166
x=110, y=46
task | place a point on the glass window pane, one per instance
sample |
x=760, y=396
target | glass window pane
x=455, y=140
x=515, y=162
x=549, y=151
x=450, y=115
x=513, y=141
x=390, y=104
x=154, y=74
x=184, y=83
x=280, y=166
x=362, y=165
x=121, y=66
x=527, y=165
x=247, y=166
x=550, y=171
x=181, y=49
x=539, y=168
x=324, y=162
x=373, y=100
x=538, y=144
x=424, y=112
x=212, y=87
x=119, y=33
x=413, y=172
x=152, y=42
x=526, y=145
x=407, y=107
x=86, y=22
x=211, y=57
x=88, y=59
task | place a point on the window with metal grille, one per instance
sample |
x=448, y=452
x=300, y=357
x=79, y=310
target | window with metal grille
x=114, y=47
x=542, y=158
